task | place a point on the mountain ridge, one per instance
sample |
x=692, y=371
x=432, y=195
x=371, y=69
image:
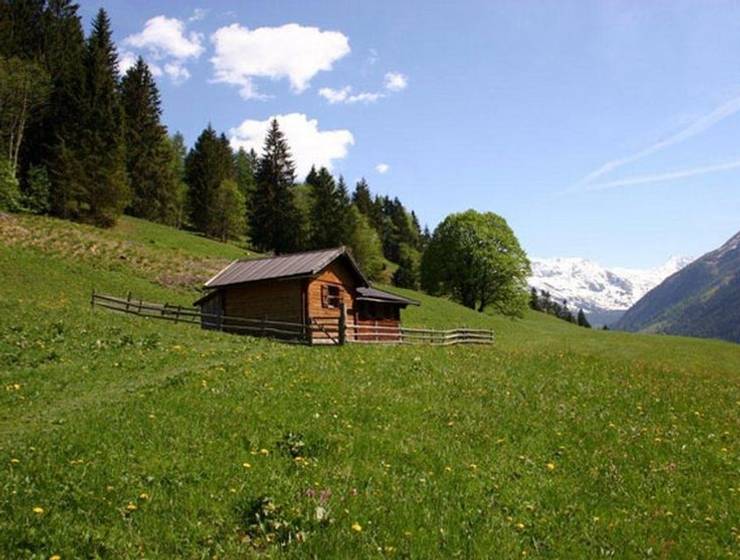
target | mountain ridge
x=604, y=293
x=702, y=299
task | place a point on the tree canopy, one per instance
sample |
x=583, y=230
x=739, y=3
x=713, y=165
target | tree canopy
x=476, y=258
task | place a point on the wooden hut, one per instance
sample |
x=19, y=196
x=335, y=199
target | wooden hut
x=310, y=289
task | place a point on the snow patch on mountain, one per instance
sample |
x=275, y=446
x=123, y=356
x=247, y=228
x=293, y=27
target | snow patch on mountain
x=594, y=288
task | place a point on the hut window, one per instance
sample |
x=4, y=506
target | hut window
x=331, y=296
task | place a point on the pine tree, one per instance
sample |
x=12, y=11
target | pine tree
x=95, y=171
x=64, y=60
x=208, y=164
x=276, y=221
x=581, y=320
x=361, y=197
x=153, y=185
x=407, y=273
x=534, y=300
x=329, y=214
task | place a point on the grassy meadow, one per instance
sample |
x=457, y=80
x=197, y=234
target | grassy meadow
x=122, y=437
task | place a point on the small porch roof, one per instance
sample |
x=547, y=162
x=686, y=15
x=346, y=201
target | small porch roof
x=381, y=296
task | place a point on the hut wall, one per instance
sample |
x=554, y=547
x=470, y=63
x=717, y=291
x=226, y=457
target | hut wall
x=379, y=315
x=277, y=300
x=336, y=276
x=211, y=306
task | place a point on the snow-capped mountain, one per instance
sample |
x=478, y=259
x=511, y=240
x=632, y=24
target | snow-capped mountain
x=605, y=294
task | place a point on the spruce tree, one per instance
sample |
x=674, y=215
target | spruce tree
x=64, y=60
x=208, y=164
x=581, y=320
x=276, y=221
x=361, y=197
x=153, y=185
x=534, y=300
x=96, y=171
x=330, y=214
x=407, y=273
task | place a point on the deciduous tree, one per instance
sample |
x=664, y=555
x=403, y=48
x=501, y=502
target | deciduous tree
x=476, y=258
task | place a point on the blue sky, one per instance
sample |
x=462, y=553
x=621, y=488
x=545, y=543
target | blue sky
x=606, y=130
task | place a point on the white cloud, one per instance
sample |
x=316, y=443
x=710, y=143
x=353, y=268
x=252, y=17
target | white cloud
x=165, y=37
x=395, y=81
x=661, y=177
x=309, y=145
x=382, y=168
x=198, y=14
x=291, y=51
x=700, y=125
x=344, y=95
x=165, y=40
x=125, y=61
x=177, y=72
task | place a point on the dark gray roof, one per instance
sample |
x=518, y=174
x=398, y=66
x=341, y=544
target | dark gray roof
x=373, y=294
x=283, y=266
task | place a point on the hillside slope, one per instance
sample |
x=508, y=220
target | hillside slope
x=702, y=300
x=129, y=438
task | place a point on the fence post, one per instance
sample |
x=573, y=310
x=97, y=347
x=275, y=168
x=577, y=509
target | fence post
x=92, y=298
x=342, y=324
x=177, y=314
x=128, y=301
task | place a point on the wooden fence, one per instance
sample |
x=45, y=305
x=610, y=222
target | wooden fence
x=327, y=330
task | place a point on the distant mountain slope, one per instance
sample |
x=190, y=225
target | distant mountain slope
x=702, y=300
x=604, y=294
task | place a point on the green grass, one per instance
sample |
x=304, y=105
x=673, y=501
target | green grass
x=556, y=442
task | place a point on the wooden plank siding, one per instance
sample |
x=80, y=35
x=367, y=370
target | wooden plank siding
x=337, y=275
x=278, y=300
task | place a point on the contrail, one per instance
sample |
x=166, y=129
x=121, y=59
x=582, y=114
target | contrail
x=659, y=177
x=697, y=127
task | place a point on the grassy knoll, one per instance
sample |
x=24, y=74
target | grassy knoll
x=129, y=438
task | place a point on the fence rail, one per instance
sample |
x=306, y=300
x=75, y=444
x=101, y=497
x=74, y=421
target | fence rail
x=320, y=330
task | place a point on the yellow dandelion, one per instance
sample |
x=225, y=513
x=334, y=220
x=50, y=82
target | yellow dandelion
x=550, y=466
x=38, y=510
x=55, y=557
x=246, y=465
x=264, y=452
x=356, y=527
x=519, y=526
x=132, y=507
x=144, y=496
x=448, y=469
x=15, y=461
